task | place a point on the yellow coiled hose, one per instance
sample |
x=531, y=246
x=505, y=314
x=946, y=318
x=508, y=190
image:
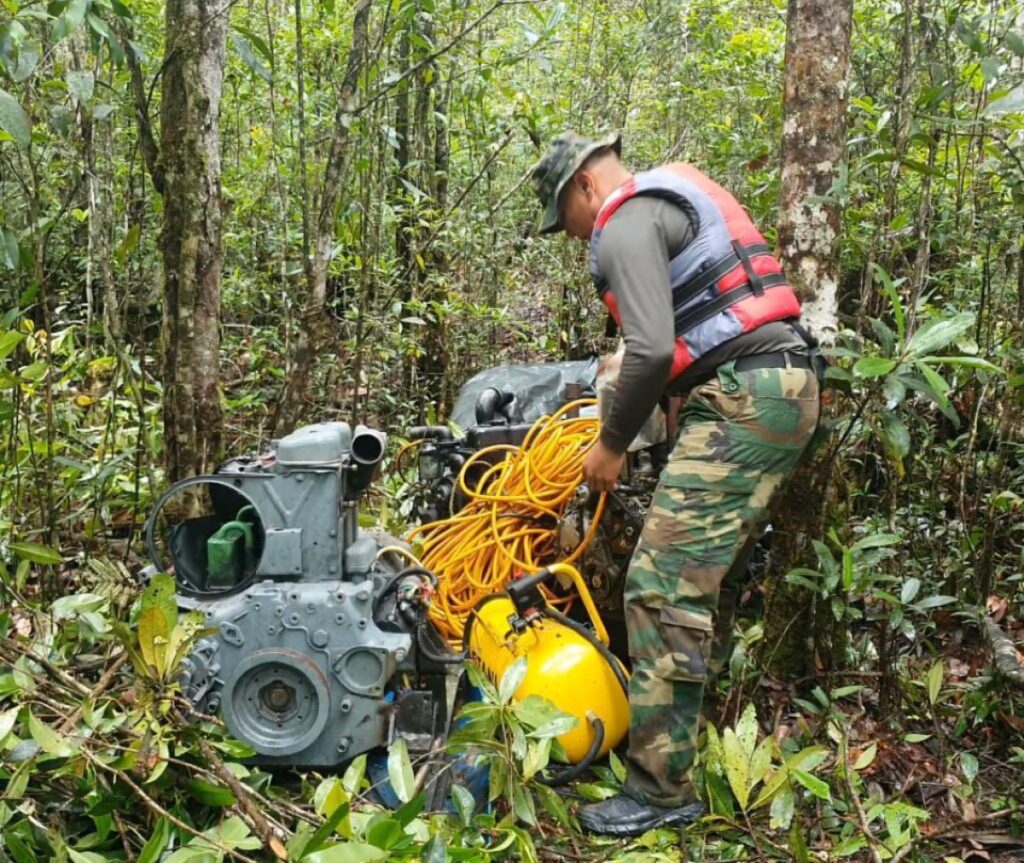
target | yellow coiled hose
x=510, y=525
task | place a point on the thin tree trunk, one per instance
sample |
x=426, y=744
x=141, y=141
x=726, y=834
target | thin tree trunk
x=813, y=153
x=191, y=236
x=309, y=339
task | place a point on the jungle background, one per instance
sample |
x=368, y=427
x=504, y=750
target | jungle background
x=221, y=219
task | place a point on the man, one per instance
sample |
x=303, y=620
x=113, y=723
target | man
x=704, y=308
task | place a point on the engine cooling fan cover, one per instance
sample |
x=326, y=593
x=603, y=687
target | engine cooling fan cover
x=277, y=700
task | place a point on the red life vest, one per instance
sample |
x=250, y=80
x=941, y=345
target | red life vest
x=724, y=283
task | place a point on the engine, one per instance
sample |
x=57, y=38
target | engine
x=322, y=650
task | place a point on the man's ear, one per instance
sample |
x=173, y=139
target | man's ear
x=584, y=182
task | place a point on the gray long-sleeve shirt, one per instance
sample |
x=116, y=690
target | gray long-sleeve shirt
x=637, y=243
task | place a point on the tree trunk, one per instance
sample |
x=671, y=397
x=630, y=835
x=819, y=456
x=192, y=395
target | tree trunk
x=191, y=236
x=813, y=153
x=308, y=342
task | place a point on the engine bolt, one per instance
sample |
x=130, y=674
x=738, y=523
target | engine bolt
x=362, y=623
x=293, y=618
x=319, y=638
x=346, y=705
x=343, y=745
x=400, y=654
x=363, y=595
x=271, y=630
x=339, y=619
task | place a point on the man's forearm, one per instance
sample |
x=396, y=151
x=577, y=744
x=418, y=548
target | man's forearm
x=637, y=392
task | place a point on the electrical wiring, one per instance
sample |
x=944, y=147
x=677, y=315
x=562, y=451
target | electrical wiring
x=511, y=524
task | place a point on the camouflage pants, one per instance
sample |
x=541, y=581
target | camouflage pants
x=741, y=437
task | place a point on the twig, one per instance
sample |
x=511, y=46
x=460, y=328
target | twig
x=263, y=828
x=862, y=817
x=101, y=686
x=163, y=813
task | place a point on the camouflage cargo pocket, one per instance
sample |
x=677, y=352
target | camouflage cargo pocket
x=674, y=643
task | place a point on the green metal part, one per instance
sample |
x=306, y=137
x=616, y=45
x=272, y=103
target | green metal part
x=231, y=551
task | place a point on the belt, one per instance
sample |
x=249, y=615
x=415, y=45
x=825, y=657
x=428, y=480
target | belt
x=774, y=360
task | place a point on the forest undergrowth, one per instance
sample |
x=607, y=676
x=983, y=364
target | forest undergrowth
x=369, y=247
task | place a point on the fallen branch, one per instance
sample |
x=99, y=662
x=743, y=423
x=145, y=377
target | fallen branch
x=1005, y=656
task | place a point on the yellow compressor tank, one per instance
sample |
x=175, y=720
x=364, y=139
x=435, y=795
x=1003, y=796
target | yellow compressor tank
x=562, y=665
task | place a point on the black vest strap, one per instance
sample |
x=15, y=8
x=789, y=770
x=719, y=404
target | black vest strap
x=722, y=302
x=683, y=294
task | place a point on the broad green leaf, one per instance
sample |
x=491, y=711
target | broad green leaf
x=761, y=760
x=354, y=773
x=970, y=362
x=937, y=334
x=746, y=730
x=937, y=389
x=783, y=805
x=85, y=856
x=156, y=843
x=896, y=434
x=737, y=767
x=36, y=552
x=866, y=757
x=464, y=802
x=7, y=720
x=400, y=770
x=9, y=341
x=910, y=589
x=14, y=121
x=618, y=768
x=935, y=678
x=80, y=84
x=153, y=638
x=210, y=794
x=511, y=680
x=969, y=766
x=816, y=786
x=49, y=740
x=161, y=593
x=873, y=367
x=337, y=821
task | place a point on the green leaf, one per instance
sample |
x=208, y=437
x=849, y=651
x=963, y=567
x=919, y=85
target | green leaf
x=348, y=852
x=161, y=593
x=12, y=260
x=782, y=808
x=36, y=552
x=511, y=680
x=324, y=831
x=737, y=767
x=435, y=851
x=400, y=770
x=937, y=388
x=14, y=121
x=813, y=784
x=465, y=803
x=866, y=757
x=245, y=51
x=910, y=589
x=761, y=760
x=896, y=435
x=49, y=740
x=873, y=367
x=7, y=720
x=969, y=766
x=618, y=768
x=935, y=678
x=968, y=361
x=80, y=85
x=746, y=730
x=153, y=638
x=210, y=794
x=156, y=843
x=937, y=334
x=354, y=773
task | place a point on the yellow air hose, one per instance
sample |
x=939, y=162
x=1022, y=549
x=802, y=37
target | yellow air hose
x=510, y=525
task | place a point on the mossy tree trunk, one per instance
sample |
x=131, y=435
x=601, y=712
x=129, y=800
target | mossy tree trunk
x=801, y=633
x=190, y=240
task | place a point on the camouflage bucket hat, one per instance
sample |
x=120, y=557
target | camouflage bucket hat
x=563, y=159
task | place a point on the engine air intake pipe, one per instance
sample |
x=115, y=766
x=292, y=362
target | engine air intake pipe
x=368, y=447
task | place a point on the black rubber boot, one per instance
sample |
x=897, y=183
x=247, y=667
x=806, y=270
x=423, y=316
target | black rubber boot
x=623, y=816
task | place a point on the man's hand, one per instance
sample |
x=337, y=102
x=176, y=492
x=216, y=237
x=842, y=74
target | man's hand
x=601, y=467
